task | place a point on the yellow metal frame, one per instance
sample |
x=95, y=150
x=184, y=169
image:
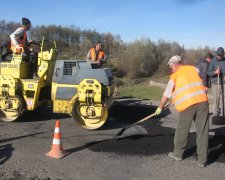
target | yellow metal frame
x=15, y=78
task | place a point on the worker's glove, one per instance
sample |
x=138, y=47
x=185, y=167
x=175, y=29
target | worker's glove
x=158, y=111
x=102, y=61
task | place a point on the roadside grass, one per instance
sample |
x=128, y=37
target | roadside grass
x=141, y=91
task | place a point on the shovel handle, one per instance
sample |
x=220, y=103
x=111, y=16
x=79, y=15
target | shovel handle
x=150, y=116
x=142, y=120
x=218, y=78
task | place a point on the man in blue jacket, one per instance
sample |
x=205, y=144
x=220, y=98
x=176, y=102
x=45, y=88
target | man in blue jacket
x=217, y=68
x=203, y=65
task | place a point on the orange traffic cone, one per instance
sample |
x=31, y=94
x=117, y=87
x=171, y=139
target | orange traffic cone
x=57, y=148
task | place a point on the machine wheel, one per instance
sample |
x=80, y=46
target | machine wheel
x=89, y=123
x=11, y=114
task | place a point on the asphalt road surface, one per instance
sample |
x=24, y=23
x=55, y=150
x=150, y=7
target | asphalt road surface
x=140, y=153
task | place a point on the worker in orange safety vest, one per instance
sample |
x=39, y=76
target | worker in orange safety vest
x=96, y=54
x=190, y=99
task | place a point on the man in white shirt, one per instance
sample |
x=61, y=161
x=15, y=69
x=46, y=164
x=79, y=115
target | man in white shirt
x=19, y=37
x=20, y=41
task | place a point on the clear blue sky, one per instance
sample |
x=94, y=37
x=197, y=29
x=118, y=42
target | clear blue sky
x=191, y=23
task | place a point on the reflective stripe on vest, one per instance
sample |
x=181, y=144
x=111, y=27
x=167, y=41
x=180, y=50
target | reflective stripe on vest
x=188, y=90
x=189, y=96
x=186, y=87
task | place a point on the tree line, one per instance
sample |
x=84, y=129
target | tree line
x=138, y=59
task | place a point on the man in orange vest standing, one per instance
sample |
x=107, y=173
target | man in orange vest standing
x=190, y=99
x=96, y=54
x=20, y=39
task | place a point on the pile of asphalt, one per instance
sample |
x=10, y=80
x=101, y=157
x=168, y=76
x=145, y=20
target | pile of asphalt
x=150, y=145
x=158, y=140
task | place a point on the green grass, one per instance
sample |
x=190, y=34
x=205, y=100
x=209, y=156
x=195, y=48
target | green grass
x=142, y=92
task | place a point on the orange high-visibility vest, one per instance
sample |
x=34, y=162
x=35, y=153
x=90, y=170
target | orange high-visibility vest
x=94, y=56
x=21, y=42
x=188, y=89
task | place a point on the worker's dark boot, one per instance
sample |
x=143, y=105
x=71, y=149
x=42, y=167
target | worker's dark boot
x=35, y=76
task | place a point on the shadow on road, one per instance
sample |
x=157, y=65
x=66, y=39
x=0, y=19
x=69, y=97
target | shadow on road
x=216, y=149
x=41, y=114
x=5, y=152
x=7, y=149
x=80, y=148
x=19, y=137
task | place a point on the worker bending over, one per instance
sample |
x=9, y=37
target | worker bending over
x=189, y=97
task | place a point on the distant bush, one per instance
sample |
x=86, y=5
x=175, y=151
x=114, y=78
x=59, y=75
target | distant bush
x=119, y=82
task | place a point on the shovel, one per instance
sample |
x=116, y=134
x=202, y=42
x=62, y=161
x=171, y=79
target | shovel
x=219, y=120
x=142, y=120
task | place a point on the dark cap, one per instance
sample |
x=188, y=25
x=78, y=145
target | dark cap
x=99, y=42
x=25, y=21
x=220, y=51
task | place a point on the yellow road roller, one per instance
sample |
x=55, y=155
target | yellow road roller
x=75, y=87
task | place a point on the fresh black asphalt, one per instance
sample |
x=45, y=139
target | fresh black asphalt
x=157, y=140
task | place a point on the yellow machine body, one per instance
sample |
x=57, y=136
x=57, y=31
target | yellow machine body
x=73, y=87
x=84, y=91
x=18, y=90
